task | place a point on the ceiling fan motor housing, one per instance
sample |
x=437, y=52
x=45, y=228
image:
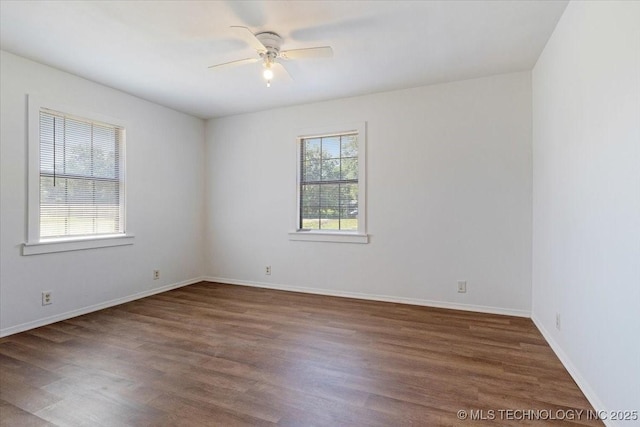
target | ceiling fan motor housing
x=271, y=41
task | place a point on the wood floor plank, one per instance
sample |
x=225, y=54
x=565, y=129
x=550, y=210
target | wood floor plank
x=11, y=416
x=214, y=354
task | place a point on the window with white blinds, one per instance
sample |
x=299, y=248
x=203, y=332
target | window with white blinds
x=331, y=184
x=81, y=177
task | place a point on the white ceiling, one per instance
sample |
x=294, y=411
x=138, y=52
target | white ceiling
x=160, y=50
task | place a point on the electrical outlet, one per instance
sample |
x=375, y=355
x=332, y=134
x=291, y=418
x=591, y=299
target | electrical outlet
x=156, y=274
x=267, y=270
x=558, y=321
x=462, y=286
x=46, y=298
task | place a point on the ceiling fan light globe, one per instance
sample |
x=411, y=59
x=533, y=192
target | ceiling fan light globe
x=267, y=74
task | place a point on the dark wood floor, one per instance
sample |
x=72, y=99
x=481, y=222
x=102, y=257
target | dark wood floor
x=213, y=354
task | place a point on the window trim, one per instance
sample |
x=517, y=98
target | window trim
x=359, y=236
x=76, y=244
x=35, y=244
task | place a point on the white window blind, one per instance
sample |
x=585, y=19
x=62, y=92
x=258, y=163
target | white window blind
x=81, y=177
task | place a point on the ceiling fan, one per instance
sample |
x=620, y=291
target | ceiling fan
x=267, y=45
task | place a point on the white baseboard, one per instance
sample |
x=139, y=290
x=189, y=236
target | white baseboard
x=373, y=297
x=584, y=386
x=79, y=312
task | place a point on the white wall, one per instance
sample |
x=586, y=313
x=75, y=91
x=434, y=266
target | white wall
x=165, y=186
x=449, y=197
x=586, y=204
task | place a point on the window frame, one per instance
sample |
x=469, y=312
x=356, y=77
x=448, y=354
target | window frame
x=35, y=244
x=337, y=236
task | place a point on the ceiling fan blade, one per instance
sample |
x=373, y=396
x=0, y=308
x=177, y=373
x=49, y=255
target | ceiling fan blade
x=250, y=38
x=238, y=62
x=342, y=27
x=310, y=52
x=251, y=13
x=282, y=70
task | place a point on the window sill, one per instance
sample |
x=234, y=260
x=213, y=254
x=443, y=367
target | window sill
x=327, y=236
x=76, y=245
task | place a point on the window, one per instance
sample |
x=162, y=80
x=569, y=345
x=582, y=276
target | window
x=80, y=180
x=331, y=185
x=329, y=182
x=76, y=181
